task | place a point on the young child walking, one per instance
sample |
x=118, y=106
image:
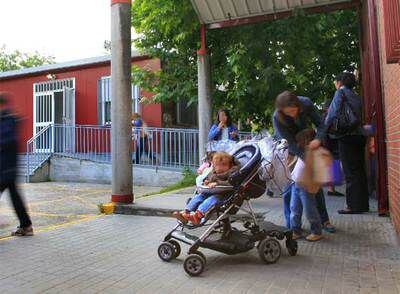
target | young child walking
x=301, y=199
x=223, y=166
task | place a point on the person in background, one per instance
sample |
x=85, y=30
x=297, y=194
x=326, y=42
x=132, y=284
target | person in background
x=351, y=145
x=8, y=165
x=223, y=129
x=140, y=136
x=369, y=132
x=301, y=200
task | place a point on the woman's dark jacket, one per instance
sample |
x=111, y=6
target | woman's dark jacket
x=8, y=147
x=287, y=127
x=355, y=103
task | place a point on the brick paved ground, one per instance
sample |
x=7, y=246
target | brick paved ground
x=117, y=254
x=54, y=203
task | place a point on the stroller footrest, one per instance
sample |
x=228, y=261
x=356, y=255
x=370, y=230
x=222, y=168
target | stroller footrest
x=184, y=237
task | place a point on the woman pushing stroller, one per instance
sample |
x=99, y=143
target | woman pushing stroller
x=223, y=165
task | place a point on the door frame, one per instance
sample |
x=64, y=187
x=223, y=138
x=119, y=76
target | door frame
x=49, y=88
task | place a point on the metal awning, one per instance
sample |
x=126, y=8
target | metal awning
x=224, y=13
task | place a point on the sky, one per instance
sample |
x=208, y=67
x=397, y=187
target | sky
x=65, y=29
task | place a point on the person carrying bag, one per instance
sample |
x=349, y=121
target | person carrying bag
x=346, y=120
x=343, y=122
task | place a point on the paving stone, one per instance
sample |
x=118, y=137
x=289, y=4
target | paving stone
x=117, y=254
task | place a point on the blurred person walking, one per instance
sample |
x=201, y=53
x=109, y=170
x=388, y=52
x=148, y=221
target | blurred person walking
x=8, y=165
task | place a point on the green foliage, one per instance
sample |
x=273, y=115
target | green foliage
x=188, y=180
x=168, y=31
x=17, y=60
x=250, y=64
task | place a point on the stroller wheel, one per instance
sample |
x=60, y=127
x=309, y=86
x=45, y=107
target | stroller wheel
x=166, y=251
x=177, y=247
x=291, y=246
x=269, y=250
x=194, y=264
x=202, y=256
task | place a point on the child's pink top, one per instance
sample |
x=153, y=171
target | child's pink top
x=298, y=169
x=203, y=167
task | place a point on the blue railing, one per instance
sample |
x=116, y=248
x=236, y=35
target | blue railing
x=154, y=147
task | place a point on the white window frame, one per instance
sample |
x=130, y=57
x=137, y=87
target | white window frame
x=104, y=96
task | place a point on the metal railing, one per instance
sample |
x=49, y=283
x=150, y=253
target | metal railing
x=38, y=150
x=154, y=147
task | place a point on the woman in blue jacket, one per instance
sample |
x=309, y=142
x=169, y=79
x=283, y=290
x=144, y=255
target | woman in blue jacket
x=223, y=129
x=292, y=115
x=351, y=146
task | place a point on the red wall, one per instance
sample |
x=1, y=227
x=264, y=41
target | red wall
x=390, y=74
x=86, y=79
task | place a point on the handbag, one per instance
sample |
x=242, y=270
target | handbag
x=346, y=120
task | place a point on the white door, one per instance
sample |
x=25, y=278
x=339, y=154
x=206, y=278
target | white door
x=54, y=104
x=43, y=116
x=69, y=119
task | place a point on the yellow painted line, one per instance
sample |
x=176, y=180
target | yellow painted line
x=38, y=213
x=161, y=194
x=34, y=203
x=59, y=188
x=57, y=214
x=84, y=201
x=54, y=227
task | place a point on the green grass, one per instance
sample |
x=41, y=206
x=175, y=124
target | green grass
x=188, y=180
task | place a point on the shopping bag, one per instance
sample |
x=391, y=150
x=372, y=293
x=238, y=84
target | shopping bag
x=317, y=171
x=337, y=173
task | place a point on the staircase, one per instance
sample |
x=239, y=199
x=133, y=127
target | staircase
x=22, y=166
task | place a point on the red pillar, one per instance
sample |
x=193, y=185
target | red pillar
x=376, y=92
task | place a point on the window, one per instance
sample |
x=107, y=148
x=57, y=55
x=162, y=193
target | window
x=104, y=100
x=186, y=115
x=391, y=16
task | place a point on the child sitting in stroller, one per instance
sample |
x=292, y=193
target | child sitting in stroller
x=223, y=166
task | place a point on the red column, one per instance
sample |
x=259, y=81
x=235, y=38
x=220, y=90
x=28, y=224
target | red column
x=376, y=91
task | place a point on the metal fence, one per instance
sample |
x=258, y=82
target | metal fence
x=155, y=147
x=38, y=150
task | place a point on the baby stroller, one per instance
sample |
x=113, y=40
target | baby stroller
x=220, y=235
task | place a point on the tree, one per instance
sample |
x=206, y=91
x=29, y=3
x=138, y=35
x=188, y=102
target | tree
x=17, y=60
x=250, y=64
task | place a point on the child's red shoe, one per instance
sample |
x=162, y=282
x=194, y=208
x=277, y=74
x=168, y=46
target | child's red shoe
x=181, y=216
x=195, y=218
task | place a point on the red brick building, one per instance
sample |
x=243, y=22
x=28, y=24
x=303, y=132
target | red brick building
x=388, y=25
x=41, y=93
x=380, y=51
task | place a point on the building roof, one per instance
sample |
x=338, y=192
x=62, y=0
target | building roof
x=218, y=13
x=49, y=68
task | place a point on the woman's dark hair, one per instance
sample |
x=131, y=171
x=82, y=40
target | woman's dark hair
x=347, y=79
x=304, y=137
x=286, y=99
x=228, y=116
